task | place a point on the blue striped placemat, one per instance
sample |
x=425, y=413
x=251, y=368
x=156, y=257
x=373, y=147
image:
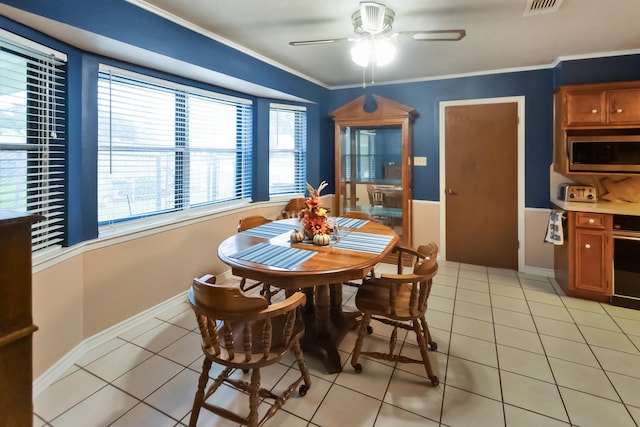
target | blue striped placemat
x=269, y=230
x=274, y=255
x=363, y=242
x=351, y=222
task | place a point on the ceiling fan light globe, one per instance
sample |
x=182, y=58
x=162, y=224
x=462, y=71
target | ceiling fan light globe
x=361, y=52
x=384, y=51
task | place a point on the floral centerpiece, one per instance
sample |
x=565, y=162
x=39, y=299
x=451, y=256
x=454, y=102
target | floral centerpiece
x=314, y=217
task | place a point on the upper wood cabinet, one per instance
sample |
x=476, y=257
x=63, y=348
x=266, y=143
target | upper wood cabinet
x=603, y=105
x=373, y=161
x=593, y=110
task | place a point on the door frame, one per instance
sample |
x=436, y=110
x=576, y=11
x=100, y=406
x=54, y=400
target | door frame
x=520, y=101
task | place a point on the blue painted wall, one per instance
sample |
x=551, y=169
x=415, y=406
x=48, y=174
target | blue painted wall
x=536, y=86
x=129, y=24
x=425, y=97
x=121, y=21
x=598, y=70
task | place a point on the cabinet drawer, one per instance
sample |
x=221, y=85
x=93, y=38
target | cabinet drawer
x=590, y=220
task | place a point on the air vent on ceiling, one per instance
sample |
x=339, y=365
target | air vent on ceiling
x=536, y=7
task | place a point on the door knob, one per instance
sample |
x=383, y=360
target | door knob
x=449, y=191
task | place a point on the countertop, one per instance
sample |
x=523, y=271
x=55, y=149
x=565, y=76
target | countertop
x=601, y=206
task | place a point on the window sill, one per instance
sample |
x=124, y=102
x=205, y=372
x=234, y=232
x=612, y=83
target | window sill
x=131, y=230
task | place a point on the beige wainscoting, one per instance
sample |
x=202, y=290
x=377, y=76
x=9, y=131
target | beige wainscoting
x=426, y=222
x=538, y=255
x=57, y=311
x=104, y=282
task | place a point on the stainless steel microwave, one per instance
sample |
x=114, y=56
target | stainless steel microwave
x=604, y=153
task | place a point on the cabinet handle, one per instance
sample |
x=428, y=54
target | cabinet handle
x=591, y=220
x=618, y=110
x=594, y=111
x=587, y=246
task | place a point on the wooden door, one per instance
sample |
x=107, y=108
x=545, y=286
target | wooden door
x=481, y=184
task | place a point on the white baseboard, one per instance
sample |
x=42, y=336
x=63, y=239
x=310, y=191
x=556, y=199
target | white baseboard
x=537, y=271
x=58, y=369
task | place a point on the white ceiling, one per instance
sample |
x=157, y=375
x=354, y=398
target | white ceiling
x=498, y=36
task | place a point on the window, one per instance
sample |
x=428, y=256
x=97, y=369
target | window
x=164, y=147
x=287, y=149
x=32, y=135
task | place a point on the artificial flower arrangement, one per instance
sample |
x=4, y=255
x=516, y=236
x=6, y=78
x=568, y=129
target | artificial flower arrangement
x=313, y=218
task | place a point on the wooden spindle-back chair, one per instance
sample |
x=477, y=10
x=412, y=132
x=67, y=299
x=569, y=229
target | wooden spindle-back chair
x=400, y=300
x=242, y=332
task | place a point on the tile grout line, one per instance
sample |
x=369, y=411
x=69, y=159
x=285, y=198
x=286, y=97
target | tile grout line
x=446, y=367
x=605, y=372
x=546, y=356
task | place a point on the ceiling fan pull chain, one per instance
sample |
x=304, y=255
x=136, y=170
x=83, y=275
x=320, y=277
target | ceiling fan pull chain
x=373, y=66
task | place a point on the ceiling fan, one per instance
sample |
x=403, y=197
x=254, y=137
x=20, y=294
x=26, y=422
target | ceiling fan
x=375, y=43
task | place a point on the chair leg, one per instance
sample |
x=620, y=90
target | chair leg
x=364, y=323
x=199, y=397
x=254, y=398
x=244, y=287
x=422, y=344
x=266, y=292
x=302, y=366
x=433, y=346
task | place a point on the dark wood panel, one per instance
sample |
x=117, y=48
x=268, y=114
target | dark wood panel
x=16, y=324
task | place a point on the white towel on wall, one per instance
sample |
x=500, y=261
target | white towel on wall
x=555, y=232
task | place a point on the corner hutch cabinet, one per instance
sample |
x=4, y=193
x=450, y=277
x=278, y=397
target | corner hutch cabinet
x=588, y=109
x=16, y=324
x=584, y=262
x=373, y=161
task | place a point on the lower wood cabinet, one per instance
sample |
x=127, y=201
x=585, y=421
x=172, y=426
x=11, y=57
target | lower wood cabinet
x=583, y=264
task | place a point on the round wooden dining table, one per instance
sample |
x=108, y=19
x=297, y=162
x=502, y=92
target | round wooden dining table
x=266, y=254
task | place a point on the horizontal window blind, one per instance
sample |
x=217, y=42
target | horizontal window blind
x=33, y=135
x=287, y=149
x=164, y=148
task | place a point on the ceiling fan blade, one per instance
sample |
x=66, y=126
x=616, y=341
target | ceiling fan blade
x=435, y=35
x=321, y=41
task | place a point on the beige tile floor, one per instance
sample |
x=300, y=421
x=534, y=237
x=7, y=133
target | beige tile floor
x=512, y=351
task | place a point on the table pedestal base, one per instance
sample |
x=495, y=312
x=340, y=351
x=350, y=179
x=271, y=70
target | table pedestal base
x=326, y=323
